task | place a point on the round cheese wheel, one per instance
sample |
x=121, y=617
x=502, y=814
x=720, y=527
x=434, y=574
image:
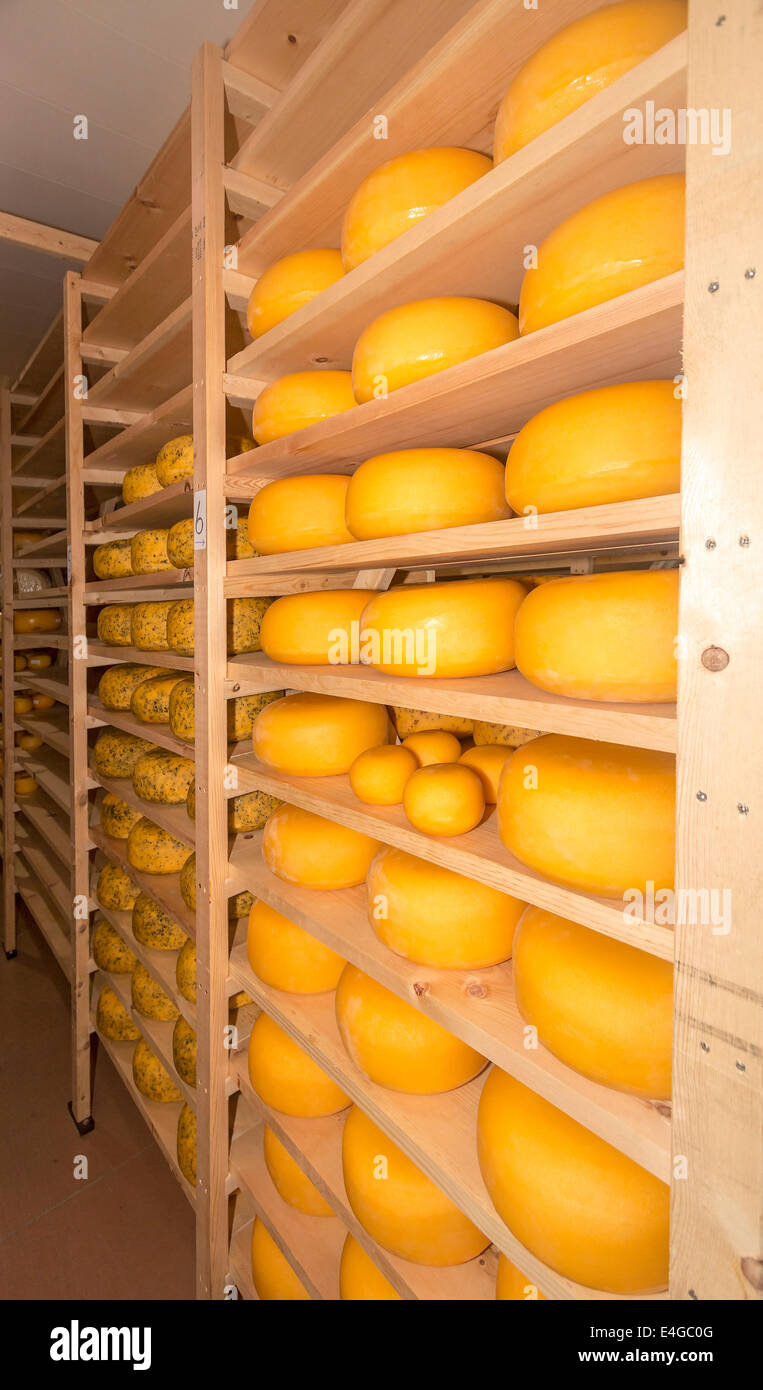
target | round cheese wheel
x=444, y=799
x=22, y=704
x=602, y=636
x=151, y=1077
x=110, y=952
x=272, y=1275
x=622, y=240
x=153, y=850
x=162, y=777
x=378, y=775
x=36, y=661
x=21, y=539
x=511, y=1285
x=578, y=1204
x=186, y=1144
x=116, y=753
x=400, y=192
x=424, y=490
x=415, y=340
x=117, y=818
x=112, y=1018
x=286, y=957
x=310, y=735
x=187, y=882
x=432, y=916
x=184, y=1051
x=180, y=544
x=300, y=847
x=299, y=513
x=602, y=1006
x=579, y=61
x=29, y=742
x=487, y=761
x=149, y=626
x=286, y=1078
x=288, y=284
x=119, y=683
x=396, y=1045
x=36, y=620
x=360, y=1280
x=433, y=746
x=151, y=698
x=42, y=702
x=321, y=628
x=113, y=560
x=185, y=970
x=140, y=481
x=247, y=812
x=175, y=460
x=405, y=1213
x=291, y=1182
x=154, y=927
x=114, y=625
x=300, y=399
x=614, y=444
x=25, y=784
x=593, y=816
x=414, y=721
x=149, y=998
x=115, y=888
x=180, y=627
x=148, y=551
x=505, y=734
x=463, y=627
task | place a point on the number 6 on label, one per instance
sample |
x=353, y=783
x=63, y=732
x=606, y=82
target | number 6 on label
x=200, y=520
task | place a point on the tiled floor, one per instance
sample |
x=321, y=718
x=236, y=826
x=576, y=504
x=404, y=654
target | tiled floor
x=126, y=1230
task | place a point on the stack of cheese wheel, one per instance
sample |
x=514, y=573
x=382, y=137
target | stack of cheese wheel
x=243, y=622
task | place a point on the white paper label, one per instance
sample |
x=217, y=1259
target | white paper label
x=200, y=520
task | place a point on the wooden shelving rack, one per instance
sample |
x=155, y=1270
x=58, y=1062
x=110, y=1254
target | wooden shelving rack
x=279, y=133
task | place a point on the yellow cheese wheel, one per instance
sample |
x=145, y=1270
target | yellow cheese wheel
x=444, y=799
x=151, y=1077
x=602, y=636
x=292, y=1183
x=186, y=1144
x=187, y=883
x=297, y=400
x=116, y=753
x=288, y=284
x=405, y=1213
x=149, y=998
x=487, y=761
x=153, y=850
x=42, y=702
x=300, y=847
x=175, y=460
x=185, y=971
x=432, y=916
x=154, y=927
x=360, y=1280
x=112, y=1018
x=148, y=551
x=622, y=240
x=140, y=481
x=299, y=513
x=114, y=626
x=400, y=192
x=414, y=721
x=272, y=1275
x=378, y=776
x=22, y=704
x=21, y=539
x=415, y=340
x=117, y=818
x=163, y=777
x=180, y=626
x=151, y=698
x=149, y=626
x=25, y=784
x=310, y=735
x=579, y=61
x=29, y=742
x=286, y=957
x=505, y=734
x=433, y=746
x=614, y=444
x=113, y=560
x=590, y=815
x=36, y=620
x=424, y=490
x=602, y=1006
x=119, y=683
x=36, y=661
x=321, y=628
x=511, y=1285
x=286, y=1078
x=20, y=662
x=180, y=544
x=463, y=627
x=115, y=888
x=576, y=1203
x=396, y=1045
x=184, y=1051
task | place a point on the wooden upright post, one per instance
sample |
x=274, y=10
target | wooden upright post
x=6, y=552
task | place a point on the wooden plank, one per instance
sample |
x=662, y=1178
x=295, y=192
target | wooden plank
x=99, y=654
x=246, y=96
x=50, y=824
x=163, y=888
x=161, y=282
x=247, y=196
x=157, y=366
x=52, y=728
x=48, y=408
x=38, y=236
x=170, y=584
x=6, y=627
x=140, y=442
x=47, y=456
x=39, y=367
x=277, y=36
x=47, y=919
x=174, y=819
x=162, y=508
x=718, y=1048
x=120, y=719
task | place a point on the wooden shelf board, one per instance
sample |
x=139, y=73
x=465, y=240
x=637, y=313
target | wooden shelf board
x=140, y=442
x=51, y=926
x=174, y=819
x=159, y=964
x=46, y=549
x=51, y=770
x=46, y=598
x=154, y=290
x=158, y=366
x=101, y=654
x=49, y=407
x=54, y=885
x=51, y=727
x=50, y=823
x=30, y=641
x=120, y=719
x=240, y=1261
x=45, y=685
x=163, y=888
x=39, y=367
x=170, y=584
x=173, y=503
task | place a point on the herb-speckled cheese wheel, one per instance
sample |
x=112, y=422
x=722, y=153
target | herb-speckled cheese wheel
x=300, y=513
x=188, y=882
x=290, y=1181
x=238, y=544
x=114, y=624
x=241, y=711
x=315, y=629
x=310, y=735
x=250, y=811
x=406, y=1214
x=115, y=753
x=151, y=1077
x=300, y=847
x=416, y=340
x=175, y=460
x=115, y=888
x=502, y=733
x=140, y=481
x=154, y=927
x=286, y=1077
x=593, y=816
x=289, y=283
x=153, y=850
x=622, y=240
x=240, y=905
x=297, y=400
x=463, y=627
x=186, y=1144
x=149, y=998
x=185, y=971
x=110, y=952
x=180, y=636
x=112, y=1018
x=113, y=560
x=396, y=1045
x=149, y=626
x=180, y=544
x=512, y=1286
x=602, y=636
x=149, y=552
x=286, y=957
x=244, y=619
x=163, y=777
x=180, y=709
x=184, y=1051
x=119, y=683
x=578, y=1204
x=151, y=698
x=117, y=818
x=273, y=1277
x=360, y=1280
x=424, y=490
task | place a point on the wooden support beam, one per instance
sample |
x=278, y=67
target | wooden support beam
x=37, y=236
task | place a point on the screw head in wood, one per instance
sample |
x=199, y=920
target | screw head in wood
x=750, y=273
x=702, y=796
x=742, y=809
x=744, y=541
x=713, y=287
x=715, y=659
x=710, y=544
